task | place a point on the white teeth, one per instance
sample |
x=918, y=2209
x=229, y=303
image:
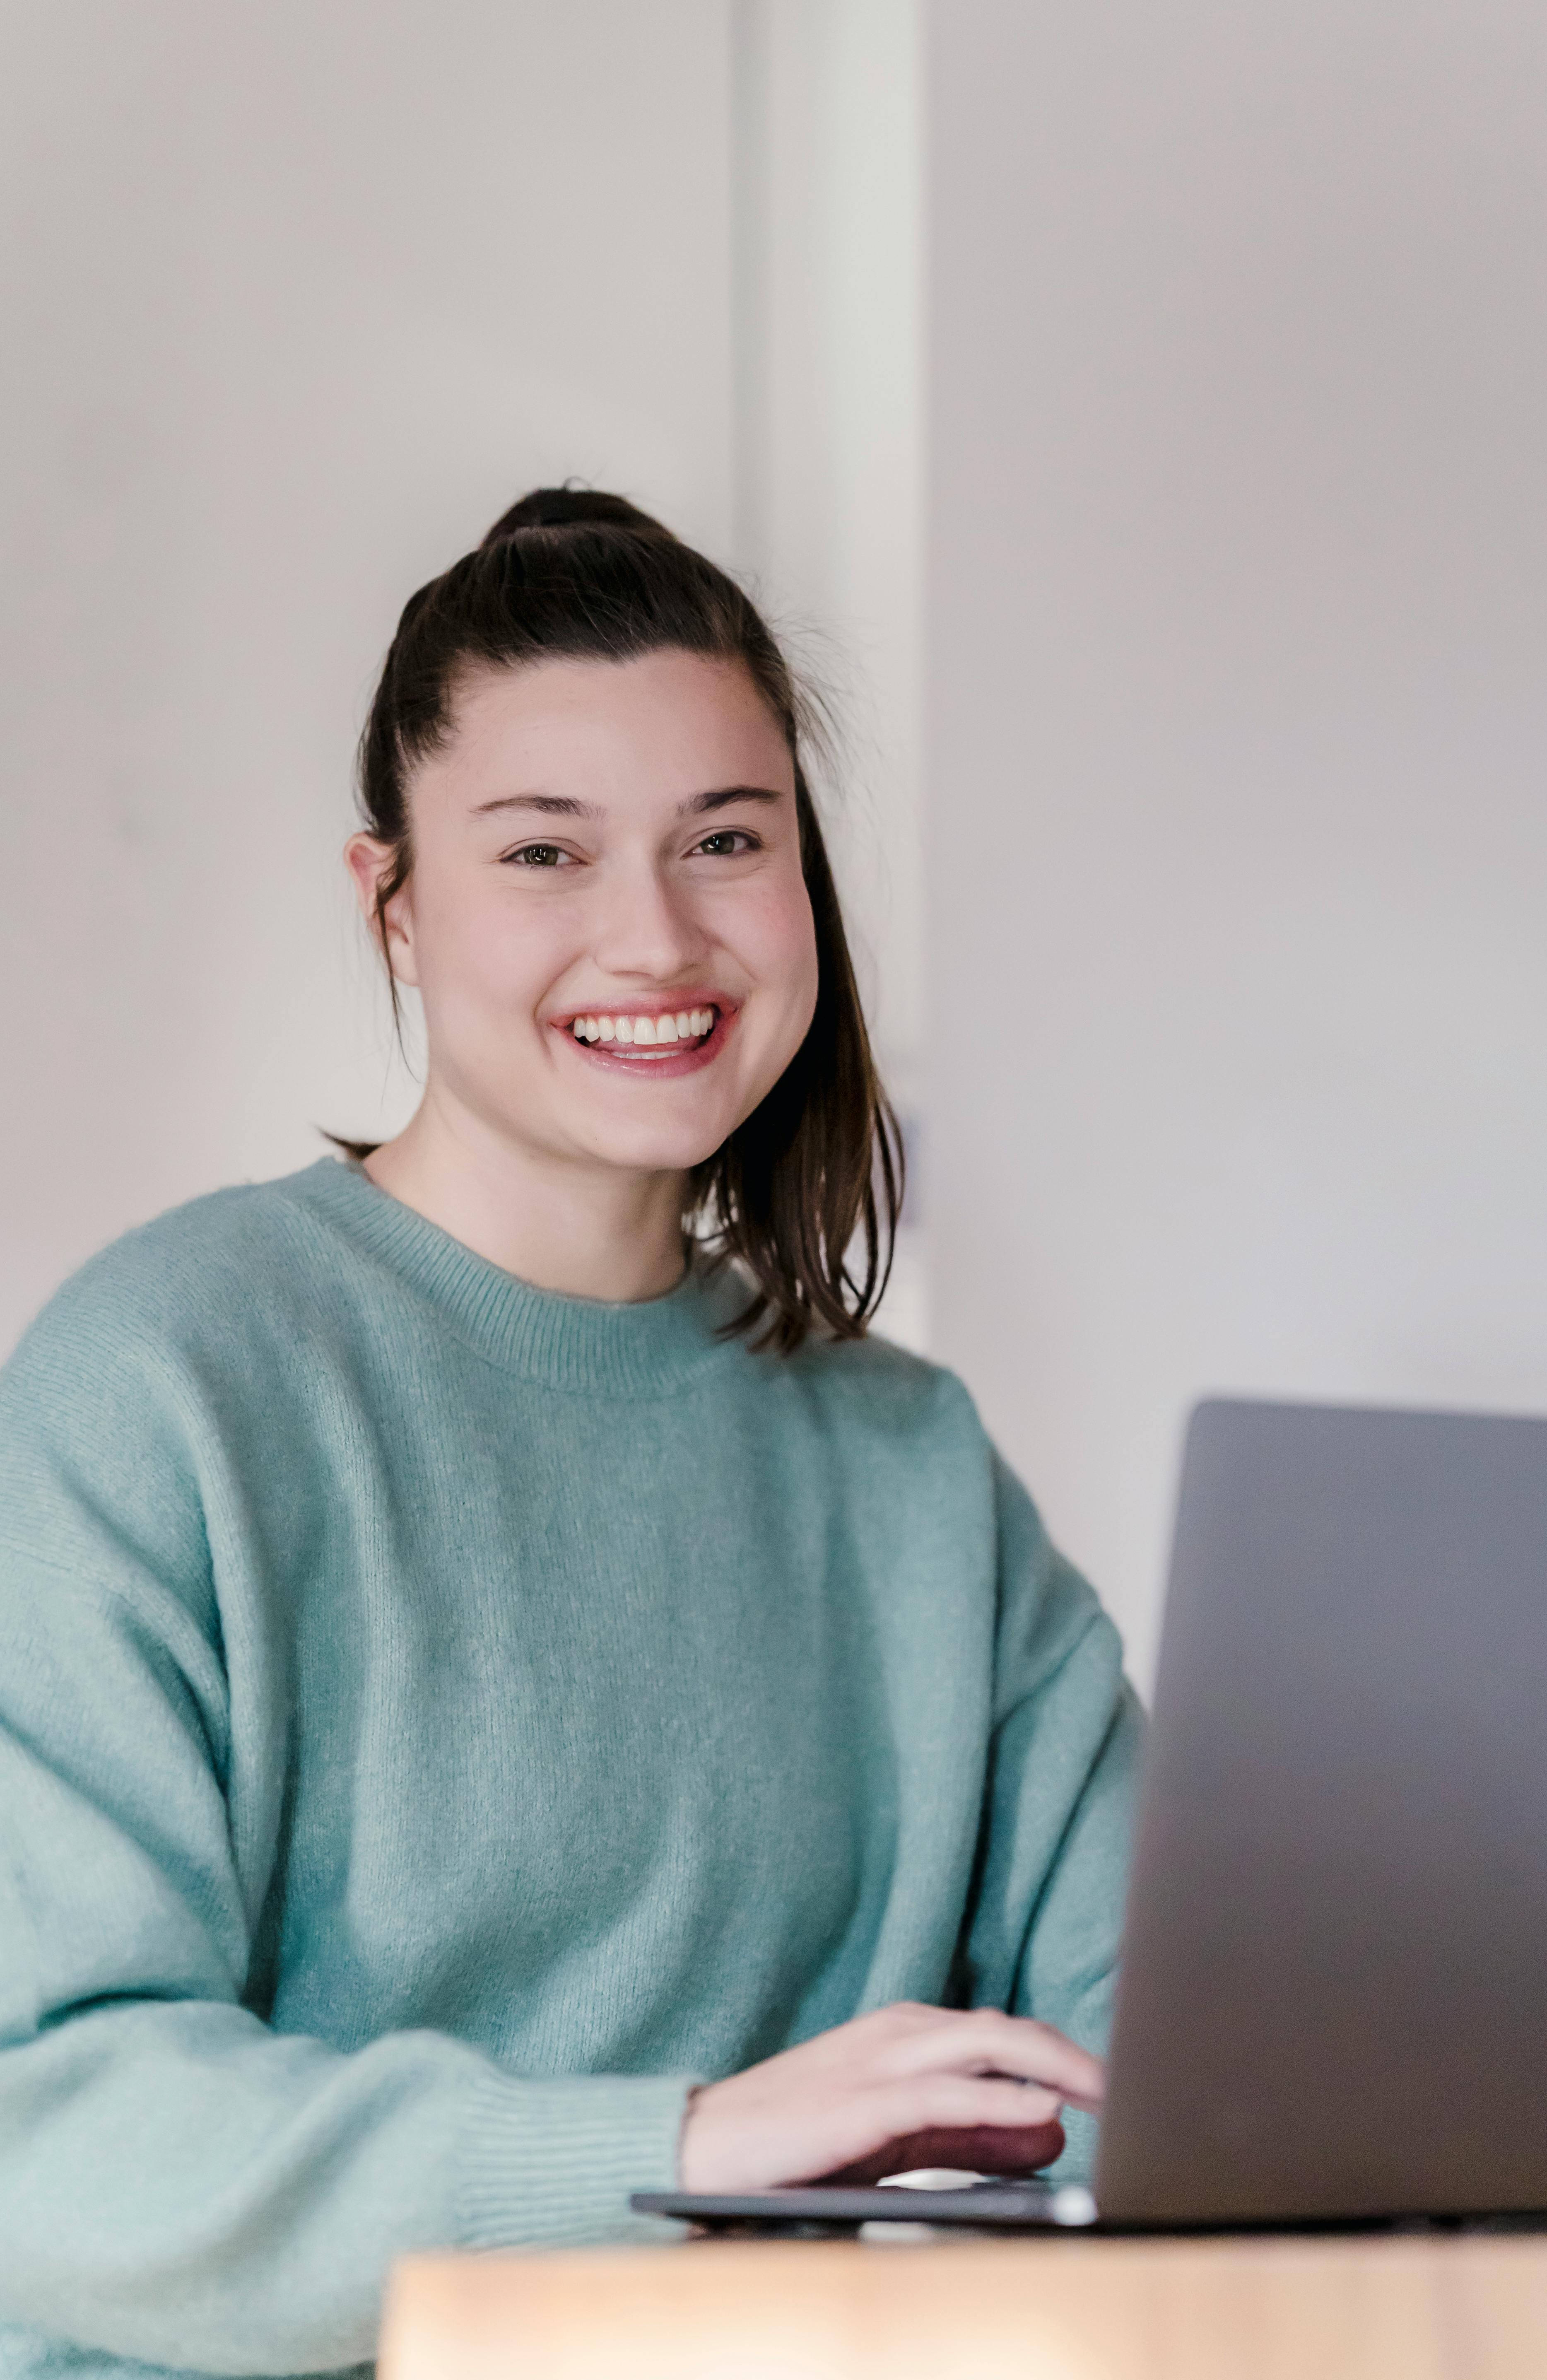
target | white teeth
x=687, y=1025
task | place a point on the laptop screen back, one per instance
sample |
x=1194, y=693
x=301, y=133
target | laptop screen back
x=1333, y=1995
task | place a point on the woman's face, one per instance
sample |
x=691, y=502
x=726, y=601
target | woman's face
x=605, y=917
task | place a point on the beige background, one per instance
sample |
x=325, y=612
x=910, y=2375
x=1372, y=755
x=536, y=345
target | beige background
x=296, y=299
x=1228, y=384
x=1238, y=668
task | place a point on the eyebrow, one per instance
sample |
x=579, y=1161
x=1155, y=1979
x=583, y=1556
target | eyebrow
x=564, y=805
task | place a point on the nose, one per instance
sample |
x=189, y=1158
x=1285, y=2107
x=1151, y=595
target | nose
x=647, y=927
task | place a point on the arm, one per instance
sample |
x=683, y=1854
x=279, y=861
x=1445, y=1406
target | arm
x=1068, y=1732
x=180, y=2184
x=908, y=2086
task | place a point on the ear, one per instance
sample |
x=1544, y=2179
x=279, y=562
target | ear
x=370, y=865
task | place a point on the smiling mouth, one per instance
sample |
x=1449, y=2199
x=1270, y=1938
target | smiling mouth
x=647, y=1039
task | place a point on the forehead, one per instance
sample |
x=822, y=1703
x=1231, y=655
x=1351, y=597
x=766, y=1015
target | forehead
x=665, y=725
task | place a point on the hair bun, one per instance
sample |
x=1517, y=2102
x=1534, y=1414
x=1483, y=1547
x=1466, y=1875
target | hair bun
x=567, y=506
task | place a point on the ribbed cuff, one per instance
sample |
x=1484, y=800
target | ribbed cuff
x=552, y=2163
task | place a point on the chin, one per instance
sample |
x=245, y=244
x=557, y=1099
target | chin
x=683, y=1132
x=657, y=1152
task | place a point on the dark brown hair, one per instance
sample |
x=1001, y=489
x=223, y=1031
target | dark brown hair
x=571, y=574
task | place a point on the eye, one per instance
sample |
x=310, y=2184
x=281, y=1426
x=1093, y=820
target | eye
x=537, y=855
x=728, y=843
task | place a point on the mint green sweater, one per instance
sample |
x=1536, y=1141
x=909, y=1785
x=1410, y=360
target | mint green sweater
x=439, y=1721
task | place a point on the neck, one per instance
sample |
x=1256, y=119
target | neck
x=587, y=1231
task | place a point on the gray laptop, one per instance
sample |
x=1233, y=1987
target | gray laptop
x=1333, y=2005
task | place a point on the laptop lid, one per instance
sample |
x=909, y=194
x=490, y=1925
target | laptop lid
x=1333, y=1994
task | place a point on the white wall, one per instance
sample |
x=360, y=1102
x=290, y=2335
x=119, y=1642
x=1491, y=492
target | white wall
x=1239, y=667
x=296, y=300
x=829, y=431
x=830, y=465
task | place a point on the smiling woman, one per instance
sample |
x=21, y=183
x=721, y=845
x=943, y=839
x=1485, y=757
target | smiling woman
x=587, y=673
x=513, y=1695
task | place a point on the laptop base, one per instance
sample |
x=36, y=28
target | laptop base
x=1027, y=2209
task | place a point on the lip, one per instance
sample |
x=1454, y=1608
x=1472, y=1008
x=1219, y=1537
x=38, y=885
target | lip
x=675, y=1062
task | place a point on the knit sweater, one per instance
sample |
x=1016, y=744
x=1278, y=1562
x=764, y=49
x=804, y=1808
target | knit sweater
x=442, y=1720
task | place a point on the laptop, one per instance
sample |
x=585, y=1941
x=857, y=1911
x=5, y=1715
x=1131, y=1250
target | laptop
x=1333, y=2001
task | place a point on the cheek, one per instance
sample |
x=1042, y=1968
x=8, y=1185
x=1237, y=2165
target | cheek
x=471, y=951
x=780, y=949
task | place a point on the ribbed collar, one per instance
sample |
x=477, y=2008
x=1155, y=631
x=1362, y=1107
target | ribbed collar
x=647, y=1349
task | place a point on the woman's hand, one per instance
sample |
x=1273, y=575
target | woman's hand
x=906, y=2086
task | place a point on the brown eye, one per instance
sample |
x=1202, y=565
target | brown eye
x=535, y=855
x=727, y=843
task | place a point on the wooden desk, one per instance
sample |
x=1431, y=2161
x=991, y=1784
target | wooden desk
x=1413, y=2308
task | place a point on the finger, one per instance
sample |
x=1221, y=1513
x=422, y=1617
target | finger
x=979, y=2148
x=906, y=2035
x=987, y=2041
x=957, y=2101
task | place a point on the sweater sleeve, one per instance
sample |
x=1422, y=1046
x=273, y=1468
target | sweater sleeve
x=1067, y=1732
x=181, y=2183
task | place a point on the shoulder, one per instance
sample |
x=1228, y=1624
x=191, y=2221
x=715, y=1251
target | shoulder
x=870, y=1385
x=145, y=1361
x=173, y=1289
x=875, y=1369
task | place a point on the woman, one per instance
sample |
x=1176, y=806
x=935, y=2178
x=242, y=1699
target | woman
x=510, y=1697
